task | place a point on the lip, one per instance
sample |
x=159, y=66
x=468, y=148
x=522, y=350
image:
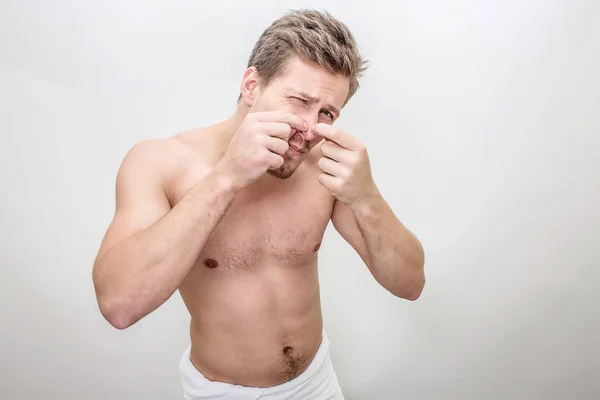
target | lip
x=297, y=150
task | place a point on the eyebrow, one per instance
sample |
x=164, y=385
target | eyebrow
x=313, y=100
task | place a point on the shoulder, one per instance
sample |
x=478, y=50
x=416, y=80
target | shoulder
x=172, y=162
x=161, y=153
x=154, y=161
x=156, y=155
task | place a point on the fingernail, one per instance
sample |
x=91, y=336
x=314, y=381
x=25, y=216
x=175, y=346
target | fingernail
x=305, y=125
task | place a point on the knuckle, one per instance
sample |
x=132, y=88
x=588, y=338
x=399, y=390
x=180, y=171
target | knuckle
x=260, y=140
x=253, y=124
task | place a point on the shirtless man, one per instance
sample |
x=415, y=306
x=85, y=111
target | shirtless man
x=232, y=215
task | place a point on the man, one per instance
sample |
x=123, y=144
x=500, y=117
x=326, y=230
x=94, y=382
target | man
x=232, y=215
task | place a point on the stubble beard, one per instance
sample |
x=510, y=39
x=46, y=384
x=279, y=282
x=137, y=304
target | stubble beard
x=283, y=172
x=286, y=170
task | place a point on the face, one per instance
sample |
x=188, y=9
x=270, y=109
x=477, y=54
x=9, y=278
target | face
x=306, y=90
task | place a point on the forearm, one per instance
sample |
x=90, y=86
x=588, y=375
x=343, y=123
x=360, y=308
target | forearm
x=395, y=255
x=138, y=274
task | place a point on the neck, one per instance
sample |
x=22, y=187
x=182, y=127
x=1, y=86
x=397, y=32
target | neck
x=229, y=126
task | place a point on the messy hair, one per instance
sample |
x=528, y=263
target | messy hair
x=313, y=36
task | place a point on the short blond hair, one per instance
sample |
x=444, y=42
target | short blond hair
x=313, y=36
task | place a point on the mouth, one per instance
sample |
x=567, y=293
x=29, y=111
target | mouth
x=294, y=147
x=297, y=150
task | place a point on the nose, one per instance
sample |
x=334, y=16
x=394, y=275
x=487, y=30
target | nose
x=310, y=133
x=311, y=120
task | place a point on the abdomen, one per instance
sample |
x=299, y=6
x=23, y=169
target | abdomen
x=258, y=327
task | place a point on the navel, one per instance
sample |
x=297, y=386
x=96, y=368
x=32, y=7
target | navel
x=317, y=247
x=211, y=263
x=292, y=362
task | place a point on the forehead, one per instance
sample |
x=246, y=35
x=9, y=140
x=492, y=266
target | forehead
x=314, y=80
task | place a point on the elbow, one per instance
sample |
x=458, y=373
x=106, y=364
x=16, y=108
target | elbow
x=418, y=283
x=414, y=296
x=120, y=322
x=113, y=304
x=410, y=291
x=417, y=290
x=116, y=313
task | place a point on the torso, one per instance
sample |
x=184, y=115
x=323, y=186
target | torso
x=253, y=295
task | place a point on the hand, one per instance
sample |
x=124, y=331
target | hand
x=258, y=145
x=345, y=165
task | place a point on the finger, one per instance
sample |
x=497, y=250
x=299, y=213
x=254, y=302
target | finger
x=279, y=130
x=330, y=182
x=274, y=161
x=282, y=116
x=331, y=167
x=335, y=151
x=336, y=135
x=276, y=145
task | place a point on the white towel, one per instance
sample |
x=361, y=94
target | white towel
x=317, y=382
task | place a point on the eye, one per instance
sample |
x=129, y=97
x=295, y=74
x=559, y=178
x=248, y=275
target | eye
x=328, y=113
x=300, y=99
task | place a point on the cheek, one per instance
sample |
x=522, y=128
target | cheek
x=294, y=108
x=257, y=105
x=264, y=102
x=314, y=142
x=325, y=119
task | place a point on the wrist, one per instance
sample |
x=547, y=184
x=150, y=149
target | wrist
x=225, y=177
x=367, y=203
x=225, y=181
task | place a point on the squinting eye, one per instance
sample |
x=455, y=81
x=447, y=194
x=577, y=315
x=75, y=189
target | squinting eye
x=330, y=115
x=298, y=98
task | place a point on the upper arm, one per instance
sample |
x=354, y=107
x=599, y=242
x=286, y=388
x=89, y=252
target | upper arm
x=344, y=222
x=139, y=194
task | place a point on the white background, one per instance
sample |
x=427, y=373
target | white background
x=482, y=124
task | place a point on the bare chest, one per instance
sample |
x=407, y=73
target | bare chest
x=280, y=233
x=279, y=225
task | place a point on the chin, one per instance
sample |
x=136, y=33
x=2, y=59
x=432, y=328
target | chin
x=283, y=172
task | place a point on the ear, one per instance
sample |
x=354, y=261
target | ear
x=249, y=87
